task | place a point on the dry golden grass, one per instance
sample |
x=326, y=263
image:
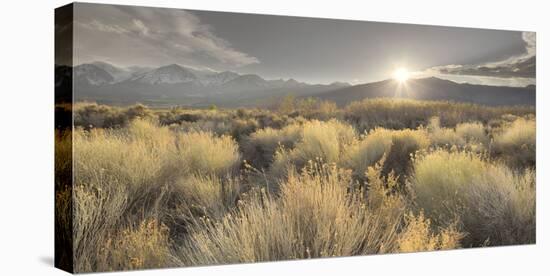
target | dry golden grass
x=516, y=143
x=418, y=236
x=145, y=246
x=315, y=216
x=156, y=188
x=493, y=203
x=319, y=142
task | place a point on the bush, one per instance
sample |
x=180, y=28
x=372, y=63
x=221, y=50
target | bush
x=144, y=246
x=97, y=210
x=320, y=141
x=418, y=236
x=403, y=113
x=124, y=175
x=314, y=217
x=91, y=115
x=318, y=214
x=204, y=153
x=208, y=195
x=361, y=154
x=516, y=143
x=487, y=198
x=259, y=149
x=398, y=146
x=472, y=132
x=405, y=143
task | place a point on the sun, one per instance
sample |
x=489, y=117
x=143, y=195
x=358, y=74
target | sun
x=401, y=74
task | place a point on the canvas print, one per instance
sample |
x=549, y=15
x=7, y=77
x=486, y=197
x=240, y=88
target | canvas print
x=192, y=138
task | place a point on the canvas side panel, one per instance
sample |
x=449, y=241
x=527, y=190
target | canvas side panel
x=63, y=137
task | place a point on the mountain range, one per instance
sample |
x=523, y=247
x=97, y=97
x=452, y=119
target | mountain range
x=433, y=88
x=184, y=85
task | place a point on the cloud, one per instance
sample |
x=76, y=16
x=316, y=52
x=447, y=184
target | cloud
x=143, y=29
x=152, y=36
x=519, y=66
x=96, y=25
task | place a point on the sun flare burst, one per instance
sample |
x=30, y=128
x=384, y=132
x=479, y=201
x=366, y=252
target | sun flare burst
x=401, y=75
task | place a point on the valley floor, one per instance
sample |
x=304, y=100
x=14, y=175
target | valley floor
x=305, y=179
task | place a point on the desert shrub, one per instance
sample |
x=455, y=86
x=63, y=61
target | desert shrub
x=315, y=109
x=403, y=113
x=516, y=143
x=472, y=132
x=138, y=111
x=315, y=216
x=451, y=185
x=504, y=214
x=416, y=233
x=446, y=137
x=177, y=116
x=97, y=210
x=260, y=147
x=325, y=110
x=210, y=196
x=63, y=158
x=320, y=141
x=205, y=153
x=405, y=143
x=443, y=137
x=132, y=156
x=237, y=128
x=398, y=146
x=145, y=246
x=241, y=128
x=365, y=152
x=91, y=115
x=122, y=175
x=323, y=140
x=418, y=236
x=63, y=227
x=117, y=174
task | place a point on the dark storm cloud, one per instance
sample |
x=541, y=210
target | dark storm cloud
x=520, y=66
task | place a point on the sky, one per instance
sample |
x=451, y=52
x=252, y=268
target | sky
x=311, y=50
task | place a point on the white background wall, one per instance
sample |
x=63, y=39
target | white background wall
x=26, y=135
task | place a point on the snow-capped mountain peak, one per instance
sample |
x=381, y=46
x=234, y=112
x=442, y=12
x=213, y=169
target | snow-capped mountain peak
x=118, y=74
x=218, y=79
x=91, y=74
x=169, y=74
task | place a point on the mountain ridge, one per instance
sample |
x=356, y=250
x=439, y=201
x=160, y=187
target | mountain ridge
x=433, y=88
x=177, y=84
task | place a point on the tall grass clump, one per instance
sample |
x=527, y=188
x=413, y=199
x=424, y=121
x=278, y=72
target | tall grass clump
x=443, y=137
x=259, y=149
x=92, y=115
x=210, y=196
x=405, y=144
x=397, y=145
x=125, y=175
x=97, y=211
x=146, y=245
x=472, y=132
x=494, y=204
x=365, y=152
x=516, y=143
x=320, y=141
x=418, y=236
x=315, y=216
x=205, y=153
x=404, y=113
